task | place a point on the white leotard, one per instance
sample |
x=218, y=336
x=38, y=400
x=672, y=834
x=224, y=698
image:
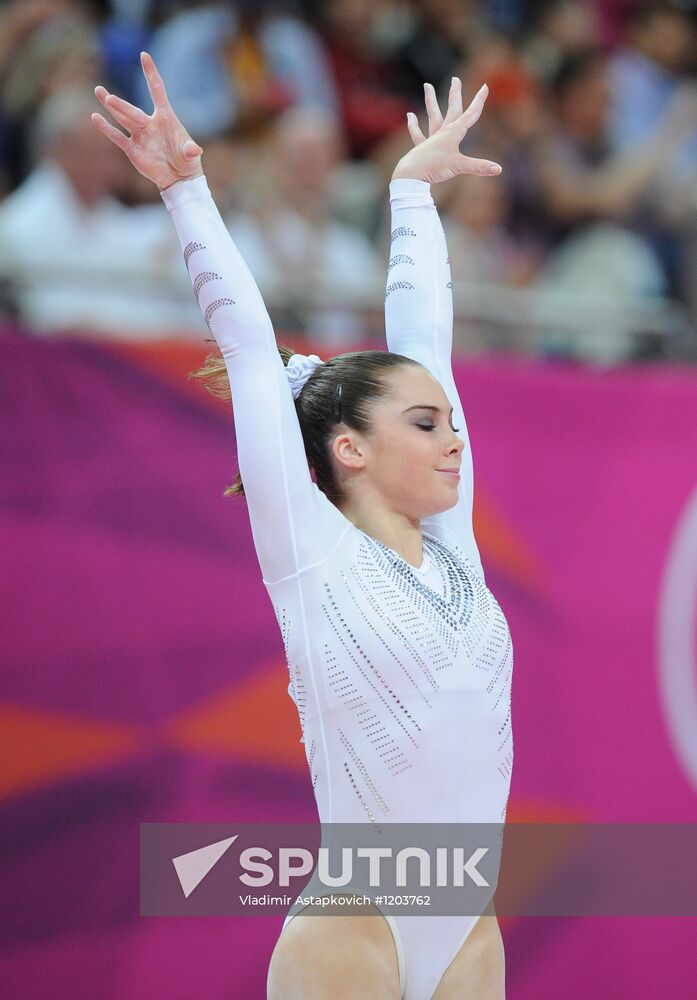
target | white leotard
x=401, y=674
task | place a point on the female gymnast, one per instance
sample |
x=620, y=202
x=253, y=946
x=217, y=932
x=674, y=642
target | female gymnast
x=399, y=656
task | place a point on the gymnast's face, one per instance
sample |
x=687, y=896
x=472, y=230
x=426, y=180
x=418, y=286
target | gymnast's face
x=400, y=462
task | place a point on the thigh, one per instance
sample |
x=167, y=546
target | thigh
x=345, y=957
x=478, y=971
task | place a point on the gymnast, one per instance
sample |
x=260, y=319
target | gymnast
x=399, y=656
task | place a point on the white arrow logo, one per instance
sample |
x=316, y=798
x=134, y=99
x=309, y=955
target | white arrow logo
x=195, y=865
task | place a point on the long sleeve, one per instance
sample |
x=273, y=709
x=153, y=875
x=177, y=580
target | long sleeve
x=419, y=324
x=292, y=522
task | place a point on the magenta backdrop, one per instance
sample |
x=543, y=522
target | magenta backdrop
x=134, y=614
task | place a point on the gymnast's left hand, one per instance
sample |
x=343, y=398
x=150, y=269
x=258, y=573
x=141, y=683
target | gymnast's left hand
x=158, y=145
x=438, y=157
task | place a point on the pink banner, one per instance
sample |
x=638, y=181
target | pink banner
x=143, y=677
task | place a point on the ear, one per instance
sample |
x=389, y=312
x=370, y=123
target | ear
x=348, y=451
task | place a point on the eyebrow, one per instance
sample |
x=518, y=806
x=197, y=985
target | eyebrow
x=425, y=406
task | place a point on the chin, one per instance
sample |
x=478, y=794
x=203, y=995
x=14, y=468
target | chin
x=442, y=506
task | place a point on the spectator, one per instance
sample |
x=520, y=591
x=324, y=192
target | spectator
x=645, y=76
x=440, y=34
x=582, y=176
x=372, y=106
x=44, y=46
x=486, y=258
x=227, y=65
x=599, y=155
x=560, y=28
x=76, y=257
x=595, y=198
x=516, y=118
x=482, y=250
x=319, y=273
x=650, y=73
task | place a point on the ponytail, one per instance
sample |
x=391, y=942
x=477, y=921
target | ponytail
x=340, y=391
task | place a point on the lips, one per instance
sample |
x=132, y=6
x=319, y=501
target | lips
x=450, y=472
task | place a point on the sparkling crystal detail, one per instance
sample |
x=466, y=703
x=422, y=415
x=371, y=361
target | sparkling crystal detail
x=190, y=249
x=397, y=284
x=203, y=278
x=370, y=593
x=362, y=801
x=376, y=730
x=399, y=258
x=215, y=306
x=394, y=647
x=311, y=763
x=362, y=771
x=401, y=231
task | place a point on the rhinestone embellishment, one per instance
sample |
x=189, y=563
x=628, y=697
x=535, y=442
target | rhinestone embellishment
x=401, y=231
x=399, y=258
x=203, y=278
x=215, y=306
x=397, y=284
x=190, y=249
x=393, y=651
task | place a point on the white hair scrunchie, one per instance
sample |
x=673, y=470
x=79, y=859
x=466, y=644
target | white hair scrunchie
x=299, y=369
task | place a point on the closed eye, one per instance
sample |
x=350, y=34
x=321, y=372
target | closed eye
x=431, y=427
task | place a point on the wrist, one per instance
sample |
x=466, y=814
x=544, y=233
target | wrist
x=403, y=172
x=179, y=180
x=410, y=188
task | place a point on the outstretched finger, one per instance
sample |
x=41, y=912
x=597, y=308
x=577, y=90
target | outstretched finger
x=471, y=116
x=128, y=115
x=482, y=168
x=133, y=117
x=415, y=129
x=111, y=132
x=154, y=81
x=435, y=118
x=454, y=101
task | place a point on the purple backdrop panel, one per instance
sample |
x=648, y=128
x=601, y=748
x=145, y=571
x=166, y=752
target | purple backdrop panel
x=135, y=619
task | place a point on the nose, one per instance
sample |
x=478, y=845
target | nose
x=456, y=444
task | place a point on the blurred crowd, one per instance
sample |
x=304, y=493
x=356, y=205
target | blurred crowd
x=585, y=246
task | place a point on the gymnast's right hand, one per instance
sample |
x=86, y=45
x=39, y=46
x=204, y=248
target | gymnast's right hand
x=158, y=145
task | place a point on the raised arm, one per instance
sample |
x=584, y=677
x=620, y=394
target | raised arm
x=291, y=521
x=418, y=297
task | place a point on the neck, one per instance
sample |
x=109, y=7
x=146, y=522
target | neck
x=396, y=531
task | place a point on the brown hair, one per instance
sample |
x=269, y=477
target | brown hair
x=341, y=390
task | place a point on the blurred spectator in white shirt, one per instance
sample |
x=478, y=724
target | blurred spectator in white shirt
x=316, y=273
x=74, y=256
x=482, y=250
